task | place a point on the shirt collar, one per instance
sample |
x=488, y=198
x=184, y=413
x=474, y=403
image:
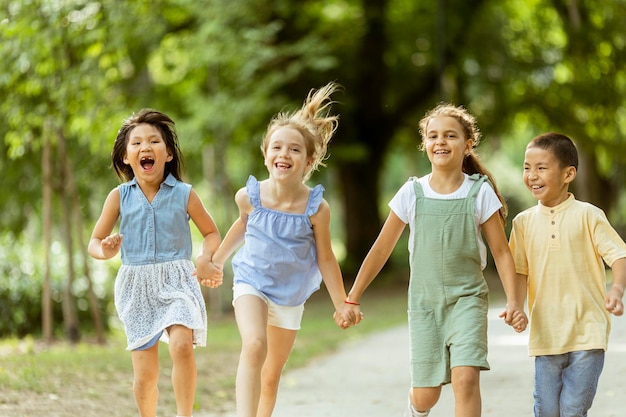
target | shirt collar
x=559, y=207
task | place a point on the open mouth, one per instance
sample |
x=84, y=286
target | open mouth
x=147, y=162
x=282, y=165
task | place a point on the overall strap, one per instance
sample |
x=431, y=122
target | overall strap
x=419, y=191
x=478, y=182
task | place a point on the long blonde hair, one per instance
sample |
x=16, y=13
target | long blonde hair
x=471, y=163
x=314, y=122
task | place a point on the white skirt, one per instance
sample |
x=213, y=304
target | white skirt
x=150, y=298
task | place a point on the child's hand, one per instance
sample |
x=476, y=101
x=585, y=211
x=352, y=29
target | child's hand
x=515, y=318
x=613, y=302
x=343, y=319
x=348, y=315
x=111, y=244
x=208, y=273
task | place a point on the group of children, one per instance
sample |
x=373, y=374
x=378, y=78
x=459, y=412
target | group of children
x=555, y=255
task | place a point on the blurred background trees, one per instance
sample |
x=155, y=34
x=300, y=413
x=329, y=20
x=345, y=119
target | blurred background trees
x=72, y=70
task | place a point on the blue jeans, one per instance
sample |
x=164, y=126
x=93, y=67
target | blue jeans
x=566, y=384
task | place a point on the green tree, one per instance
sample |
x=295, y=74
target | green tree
x=73, y=69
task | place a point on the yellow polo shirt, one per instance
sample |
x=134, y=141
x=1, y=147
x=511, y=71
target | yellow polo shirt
x=561, y=249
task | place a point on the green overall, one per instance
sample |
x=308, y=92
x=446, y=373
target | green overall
x=447, y=291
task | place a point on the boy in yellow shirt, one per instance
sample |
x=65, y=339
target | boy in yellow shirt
x=559, y=247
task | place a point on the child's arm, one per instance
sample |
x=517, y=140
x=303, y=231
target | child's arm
x=235, y=235
x=514, y=287
x=613, y=301
x=329, y=267
x=103, y=244
x=205, y=269
x=375, y=260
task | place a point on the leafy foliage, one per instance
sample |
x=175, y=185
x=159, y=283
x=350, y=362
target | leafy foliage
x=221, y=68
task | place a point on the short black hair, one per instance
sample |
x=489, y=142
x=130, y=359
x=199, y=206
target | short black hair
x=561, y=146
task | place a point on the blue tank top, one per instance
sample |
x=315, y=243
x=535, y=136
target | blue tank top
x=158, y=231
x=278, y=256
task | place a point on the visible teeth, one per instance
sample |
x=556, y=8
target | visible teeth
x=146, y=160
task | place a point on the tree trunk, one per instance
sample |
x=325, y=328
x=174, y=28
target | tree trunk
x=71, y=194
x=46, y=298
x=70, y=318
x=359, y=187
x=362, y=140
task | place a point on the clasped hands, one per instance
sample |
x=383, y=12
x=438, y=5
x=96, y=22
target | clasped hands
x=208, y=273
x=348, y=315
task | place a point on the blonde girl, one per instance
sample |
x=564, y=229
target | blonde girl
x=284, y=226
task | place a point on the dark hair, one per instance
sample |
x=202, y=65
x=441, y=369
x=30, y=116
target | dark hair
x=471, y=163
x=314, y=122
x=165, y=125
x=561, y=146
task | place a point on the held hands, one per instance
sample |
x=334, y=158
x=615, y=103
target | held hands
x=208, y=273
x=515, y=317
x=348, y=315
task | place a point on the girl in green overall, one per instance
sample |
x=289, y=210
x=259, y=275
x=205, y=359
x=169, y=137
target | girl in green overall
x=447, y=211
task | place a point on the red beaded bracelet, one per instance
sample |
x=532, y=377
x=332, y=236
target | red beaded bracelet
x=351, y=302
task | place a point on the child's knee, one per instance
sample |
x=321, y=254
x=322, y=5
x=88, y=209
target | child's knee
x=145, y=381
x=254, y=348
x=466, y=380
x=425, y=398
x=181, y=349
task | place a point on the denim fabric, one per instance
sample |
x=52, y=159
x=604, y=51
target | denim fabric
x=566, y=384
x=158, y=231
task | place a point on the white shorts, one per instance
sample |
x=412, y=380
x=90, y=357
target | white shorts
x=285, y=317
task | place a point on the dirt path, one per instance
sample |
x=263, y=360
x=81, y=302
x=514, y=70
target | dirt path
x=369, y=378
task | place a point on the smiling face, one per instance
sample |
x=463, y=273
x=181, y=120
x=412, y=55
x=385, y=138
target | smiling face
x=544, y=176
x=446, y=143
x=147, y=153
x=286, y=154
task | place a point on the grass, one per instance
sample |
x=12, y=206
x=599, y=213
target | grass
x=90, y=379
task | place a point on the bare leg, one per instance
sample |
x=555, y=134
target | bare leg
x=280, y=343
x=466, y=387
x=251, y=315
x=423, y=399
x=184, y=373
x=146, y=378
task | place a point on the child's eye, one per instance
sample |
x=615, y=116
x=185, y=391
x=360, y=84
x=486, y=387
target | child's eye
x=295, y=149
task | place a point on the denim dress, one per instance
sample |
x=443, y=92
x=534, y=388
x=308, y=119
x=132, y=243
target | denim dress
x=154, y=288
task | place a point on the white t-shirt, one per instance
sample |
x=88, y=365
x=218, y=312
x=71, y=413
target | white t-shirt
x=487, y=203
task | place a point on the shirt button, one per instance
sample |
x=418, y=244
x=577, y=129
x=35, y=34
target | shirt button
x=553, y=236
